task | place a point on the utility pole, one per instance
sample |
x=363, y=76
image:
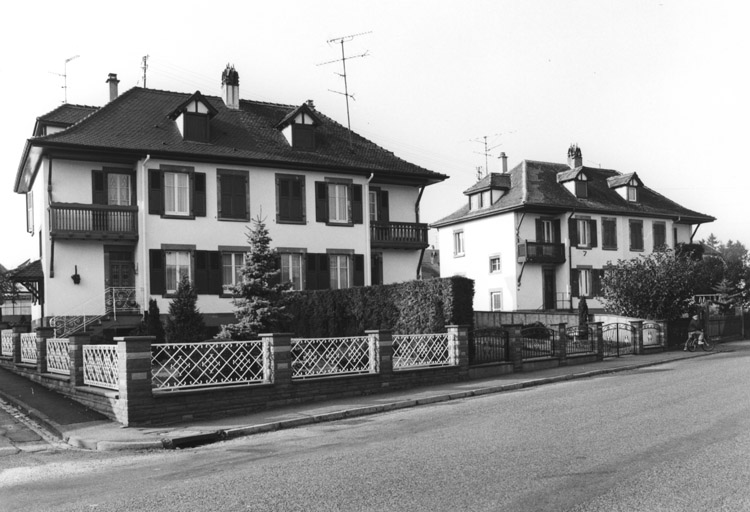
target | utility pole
x=343, y=59
x=144, y=66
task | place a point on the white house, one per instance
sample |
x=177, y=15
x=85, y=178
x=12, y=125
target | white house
x=127, y=197
x=539, y=236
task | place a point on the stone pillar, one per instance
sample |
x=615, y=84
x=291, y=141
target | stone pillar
x=280, y=345
x=381, y=349
x=637, y=336
x=596, y=329
x=516, y=347
x=458, y=339
x=17, y=331
x=561, y=350
x=42, y=335
x=75, y=357
x=135, y=399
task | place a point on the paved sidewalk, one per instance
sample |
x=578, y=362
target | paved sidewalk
x=83, y=428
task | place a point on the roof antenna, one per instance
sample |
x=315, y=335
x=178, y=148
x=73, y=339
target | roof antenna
x=144, y=67
x=343, y=60
x=65, y=77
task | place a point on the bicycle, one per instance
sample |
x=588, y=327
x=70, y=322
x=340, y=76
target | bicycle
x=692, y=342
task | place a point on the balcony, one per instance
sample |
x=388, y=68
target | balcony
x=73, y=221
x=398, y=235
x=541, y=252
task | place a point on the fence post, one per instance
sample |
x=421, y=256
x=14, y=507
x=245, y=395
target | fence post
x=42, y=334
x=17, y=331
x=598, y=339
x=280, y=345
x=515, y=341
x=561, y=350
x=381, y=351
x=458, y=346
x=637, y=336
x=75, y=357
x=135, y=398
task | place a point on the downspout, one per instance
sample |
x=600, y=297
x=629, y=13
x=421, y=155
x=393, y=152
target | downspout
x=145, y=268
x=368, y=236
x=416, y=216
x=49, y=214
x=523, y=266
x=570, y=261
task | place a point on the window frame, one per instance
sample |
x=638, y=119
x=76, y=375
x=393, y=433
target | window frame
x=189, y=265
x=663, y=226
x=585, y=282
x=632, y=193
x=290, y=254
x=291, y=179
x=583, y=227
x=459, y=243
x=605, y=242
x=188, y=198
x=236, y=268
x=496, y=269
x=581, y=188
x=220, y=209
x=334, y=259
x=336, y=203
x=639, y=224
x=493, y=295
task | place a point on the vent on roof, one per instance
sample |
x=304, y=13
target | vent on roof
x=112, y=81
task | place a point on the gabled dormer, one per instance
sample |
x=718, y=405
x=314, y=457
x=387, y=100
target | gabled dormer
x=627, y=185
x=576, y=181
x=193, y=118
x=299, y=125
x=488, y=190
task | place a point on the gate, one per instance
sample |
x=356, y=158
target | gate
x=537, y=341
x=489, y=345
x=617, y=339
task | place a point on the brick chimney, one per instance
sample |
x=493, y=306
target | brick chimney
x=575, y=159
x=230, y=84
x=504, y=161
x=112, y=81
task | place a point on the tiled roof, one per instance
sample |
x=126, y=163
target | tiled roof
x=137, y=121
x=66, y=115
x=534, y=187
x=29, y=271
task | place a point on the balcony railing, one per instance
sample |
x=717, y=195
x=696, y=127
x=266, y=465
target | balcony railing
x=398, y=235
x=541, y=252
x=93, y=222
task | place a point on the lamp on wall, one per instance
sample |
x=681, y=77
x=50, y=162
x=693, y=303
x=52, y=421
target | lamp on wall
x=76, y=277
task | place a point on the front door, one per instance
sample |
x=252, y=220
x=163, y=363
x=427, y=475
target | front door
x=120, y=280
x=549, y=290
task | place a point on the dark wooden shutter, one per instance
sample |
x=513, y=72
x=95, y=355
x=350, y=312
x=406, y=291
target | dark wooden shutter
x=157, y=280
x=539, y=230
x=556, y=226
x=383, y=208
x=199, y=194
x=597, y=282
x=297, y=199
x=574, y=282
x=357, y=204
x=201, y=272
x=359, y=270
x=573, y=231
x=321, y=201
x=594, y=238
x=98, y=187
x=283, y=198
x=155, y=192
x=318, y=273
x=233, y=196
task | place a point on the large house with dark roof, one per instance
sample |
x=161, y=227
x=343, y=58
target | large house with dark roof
x=128, y=197
x=539, y=236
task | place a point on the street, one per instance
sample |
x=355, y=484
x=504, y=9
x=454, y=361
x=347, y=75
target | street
x=673, y=437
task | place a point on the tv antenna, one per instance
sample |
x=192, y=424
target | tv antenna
x=343, y=59
x=65, y=77
x=487, y=150
x=144, y=67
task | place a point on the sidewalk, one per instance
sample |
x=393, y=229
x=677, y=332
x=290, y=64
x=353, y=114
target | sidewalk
x=84, y=428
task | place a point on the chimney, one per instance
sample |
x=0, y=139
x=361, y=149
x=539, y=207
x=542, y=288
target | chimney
x=504, y=160
x=112, y=81
x=230, y=83
x=575, y=159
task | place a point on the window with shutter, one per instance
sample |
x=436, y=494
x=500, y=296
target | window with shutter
x=233, y=195
x=290, y=198
x=175, y=191
x=609, y=234
x=636, y=235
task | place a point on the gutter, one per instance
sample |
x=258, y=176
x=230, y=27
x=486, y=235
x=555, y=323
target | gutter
x=368, y=236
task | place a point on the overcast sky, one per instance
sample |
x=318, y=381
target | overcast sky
x=654, y=87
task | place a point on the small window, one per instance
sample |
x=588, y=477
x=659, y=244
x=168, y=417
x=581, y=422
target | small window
x=548, y=231
x=176, y=193
x=496, y=301
x=118, y=189
x=196, y=126
x=178, y=264
x=582, y=189
x=339, y=271
x=458, y=243
x=231, y=268
x=373, y=206
x=584, y=233
x=292, y=269
x=584, y=282
x=632, y=194
x=303, y=137
x=338, y=203
x=636, y=235
x=495, y=264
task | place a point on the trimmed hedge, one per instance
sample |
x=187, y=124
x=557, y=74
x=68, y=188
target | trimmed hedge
x=413, y=307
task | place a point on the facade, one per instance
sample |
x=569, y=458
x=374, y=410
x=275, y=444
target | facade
x=539, y=236
x=155, y=184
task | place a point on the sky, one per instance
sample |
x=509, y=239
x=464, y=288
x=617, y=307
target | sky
x=654, y=87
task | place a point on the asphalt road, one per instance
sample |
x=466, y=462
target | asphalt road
x=674, y=437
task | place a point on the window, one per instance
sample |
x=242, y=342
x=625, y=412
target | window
x=496, y=301
x=303, y=136
x=233, y=195
x=339, y=271
x=118, y=189
x=584, y=282
x=609, y=234
x=373, y=206
x=458, y=243
x=495, y=265
x=660, y=236
x=338, y=202
x=548, y=231
x=177, y=264
x=113, y=187
x=584, y=233
x=636, y=235
x=176, y=193
x=582, y=189
x=231, y=271
x=292, y=269
x=378, y=206
x=30, y=212
x=290, y=198
x=632, y=193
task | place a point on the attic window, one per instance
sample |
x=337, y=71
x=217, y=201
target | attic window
x=632, y=193
x=582, y=189
x=196, y=126
x=193, y=118
x=303, y=137
x=298, y=127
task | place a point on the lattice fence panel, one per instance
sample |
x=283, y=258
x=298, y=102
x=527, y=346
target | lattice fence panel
x=581, y=339
x=213, y=363
x=316, y=357
x=420, y=350
x=58, y=360
x=6, y=342
x=100, y=366
x=28, y=347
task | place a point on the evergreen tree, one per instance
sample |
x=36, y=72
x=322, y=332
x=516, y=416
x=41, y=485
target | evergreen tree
x=185, y=323
x=260, y=296
x=153, y=325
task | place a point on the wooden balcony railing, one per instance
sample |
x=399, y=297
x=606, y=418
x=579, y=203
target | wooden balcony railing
x=398, y=235
x=73, y=221
x=541, y=252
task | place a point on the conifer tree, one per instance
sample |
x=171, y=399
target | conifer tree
x=153, y=325
x=185, y=323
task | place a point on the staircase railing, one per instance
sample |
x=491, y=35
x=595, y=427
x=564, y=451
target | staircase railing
x=116, y=300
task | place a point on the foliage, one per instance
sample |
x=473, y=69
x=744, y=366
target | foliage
x=185, y=322
x=413, y=307
x=260, y=296
x=658, y=286
x=151, y=325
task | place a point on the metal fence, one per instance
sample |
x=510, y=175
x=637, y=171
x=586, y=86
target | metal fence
x=580, y=339
x=28, y=347
x=6, y=342
x=58, y=360
x=210, y=363
x=421, y=350
x=100, y=366
x=537, y=341
x=617, y=339
x=320, y=357
x=489, y=345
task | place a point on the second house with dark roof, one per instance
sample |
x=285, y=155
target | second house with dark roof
x=128, y=197
x=539, y=236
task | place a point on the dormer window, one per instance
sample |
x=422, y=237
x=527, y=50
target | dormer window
x=193, y=118
x=195, y=126
x=303, y=137
x=576, y=181
x=488, y=191
x=582, y=189
x=632, y=193
x=298, y=127
x=628, y=186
